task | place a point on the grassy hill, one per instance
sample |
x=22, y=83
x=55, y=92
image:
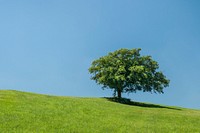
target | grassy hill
x=28, y=112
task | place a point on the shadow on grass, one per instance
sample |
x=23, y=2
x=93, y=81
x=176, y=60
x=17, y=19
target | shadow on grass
x=133, y=103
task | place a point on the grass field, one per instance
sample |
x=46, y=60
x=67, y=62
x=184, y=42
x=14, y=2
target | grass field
x=28, y=112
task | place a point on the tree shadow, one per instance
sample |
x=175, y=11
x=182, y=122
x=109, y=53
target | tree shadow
x=134, y=103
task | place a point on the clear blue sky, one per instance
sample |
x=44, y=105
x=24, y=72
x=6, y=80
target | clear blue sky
x=47, y=46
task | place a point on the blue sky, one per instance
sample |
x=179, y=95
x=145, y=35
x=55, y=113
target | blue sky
x=47, y=46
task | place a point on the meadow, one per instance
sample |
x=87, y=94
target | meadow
x=30, y=112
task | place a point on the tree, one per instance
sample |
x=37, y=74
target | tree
x=125, y=70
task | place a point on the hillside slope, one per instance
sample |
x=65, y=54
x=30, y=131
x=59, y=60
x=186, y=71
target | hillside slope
x=28, y=112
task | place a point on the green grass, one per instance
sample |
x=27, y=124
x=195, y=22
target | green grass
x=28, y=112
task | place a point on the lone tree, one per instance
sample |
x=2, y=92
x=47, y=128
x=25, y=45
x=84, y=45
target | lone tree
x=127, y=71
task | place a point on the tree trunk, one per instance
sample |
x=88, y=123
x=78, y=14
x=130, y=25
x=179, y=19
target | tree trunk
x=119, y=93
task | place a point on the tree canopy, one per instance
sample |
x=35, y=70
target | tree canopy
x=125, y=70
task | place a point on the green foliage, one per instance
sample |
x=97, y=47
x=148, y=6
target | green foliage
x=22, y=112
x=126, y=70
